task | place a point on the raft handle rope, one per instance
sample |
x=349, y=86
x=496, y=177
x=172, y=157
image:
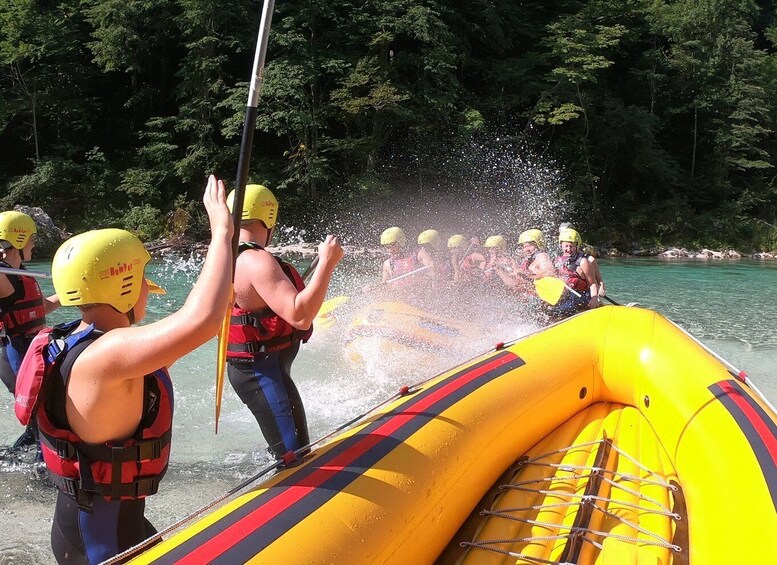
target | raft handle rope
x=736, y=373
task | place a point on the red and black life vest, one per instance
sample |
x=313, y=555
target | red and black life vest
x=527, y=261
x=116, y=470
x=400, y=265
x=22, y=311
x=567, y=270
x=263, y=331
x=469, y=268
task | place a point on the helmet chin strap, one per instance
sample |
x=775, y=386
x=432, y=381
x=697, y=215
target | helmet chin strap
x=131, y=315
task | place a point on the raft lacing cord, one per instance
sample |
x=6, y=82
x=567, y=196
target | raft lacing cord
x=583, y=499
x=403, y=391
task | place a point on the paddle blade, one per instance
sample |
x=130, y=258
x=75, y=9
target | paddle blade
x=221, y=361
x=550, y=289
x=324, y=318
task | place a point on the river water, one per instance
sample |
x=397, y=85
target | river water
x=730, y=306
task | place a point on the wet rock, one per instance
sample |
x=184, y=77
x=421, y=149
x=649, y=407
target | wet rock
x=49, y=236
x=764, y=256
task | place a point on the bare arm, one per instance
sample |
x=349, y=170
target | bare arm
x=132, y=352
x=6, y=288
x=586, y=270
x=274, y=287
x=543, y=266
x=386, y=273
x=51, y=303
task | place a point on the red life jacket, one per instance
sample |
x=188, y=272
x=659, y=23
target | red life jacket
x=22, y=311
x=469, y=268
x=527, y=261
x=263, y=331
x=567, y=270
x=116, y=470
x=402, y=264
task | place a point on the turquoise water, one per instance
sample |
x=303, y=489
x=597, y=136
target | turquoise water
x=730, y=306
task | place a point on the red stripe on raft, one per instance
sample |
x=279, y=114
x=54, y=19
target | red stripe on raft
x=229, y=537
x=753, y=417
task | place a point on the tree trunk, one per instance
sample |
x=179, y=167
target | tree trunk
x=695, y=137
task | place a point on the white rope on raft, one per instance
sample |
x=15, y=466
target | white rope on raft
x=580, y=500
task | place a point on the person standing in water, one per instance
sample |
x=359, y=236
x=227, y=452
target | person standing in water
x=273, y=313
x=106, y=405
x=23, y=307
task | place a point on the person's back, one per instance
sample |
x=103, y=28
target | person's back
x=272, y=316
x=106, y=417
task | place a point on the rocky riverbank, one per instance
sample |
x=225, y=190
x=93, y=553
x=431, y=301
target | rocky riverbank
x=50, y=236
x=684, y=254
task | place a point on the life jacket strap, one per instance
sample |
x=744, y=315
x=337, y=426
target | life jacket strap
x=253, y=319
x=138, y=488
x=263, y=346
x=143, y=450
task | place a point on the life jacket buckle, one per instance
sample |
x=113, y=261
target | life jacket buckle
x=149, y=450
x=65, y=449
x=146, y=487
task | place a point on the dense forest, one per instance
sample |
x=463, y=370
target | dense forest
x=657, y=114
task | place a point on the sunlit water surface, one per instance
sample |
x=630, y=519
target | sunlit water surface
x=731, y=307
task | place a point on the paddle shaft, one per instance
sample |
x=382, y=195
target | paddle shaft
x=310, y=270
x=464, y=257
x=23, y=273
x=607, y=298
x=243, y=165
x=411, y=273
x=249, y=125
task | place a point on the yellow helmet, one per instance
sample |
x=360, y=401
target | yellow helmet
x=100, y=267
x=568, y=234
x=259, y=204
x=532, y=236
x=393, y=235
x=496, y=241
x=429, y=237
x=16, y=228
x=456, y=241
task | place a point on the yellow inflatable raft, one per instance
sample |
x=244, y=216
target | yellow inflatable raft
x=612, y=438
x=391, y=330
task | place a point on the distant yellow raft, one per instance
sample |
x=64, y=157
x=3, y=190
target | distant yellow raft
x=610, y=438
x=395, y=330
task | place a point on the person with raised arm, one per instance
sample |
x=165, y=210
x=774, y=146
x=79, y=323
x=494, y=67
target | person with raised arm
x=100, y=384
x=273, y=313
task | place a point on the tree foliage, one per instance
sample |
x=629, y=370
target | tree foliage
x=114, y=111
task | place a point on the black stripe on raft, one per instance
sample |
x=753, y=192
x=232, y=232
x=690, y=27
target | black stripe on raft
x=755, y=423
x=268, y=516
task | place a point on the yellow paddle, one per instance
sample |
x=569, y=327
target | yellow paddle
x=221, y=358
x=323, y=318
x=550, y=289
